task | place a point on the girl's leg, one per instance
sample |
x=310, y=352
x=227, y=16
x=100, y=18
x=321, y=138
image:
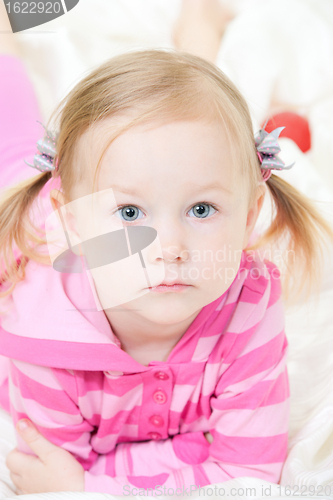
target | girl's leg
x=8, y=42
x=200, y=27
x=19, y=130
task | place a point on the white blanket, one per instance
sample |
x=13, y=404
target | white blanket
x=274, y=49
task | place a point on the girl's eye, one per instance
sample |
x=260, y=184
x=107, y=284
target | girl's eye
x=129, y=213
x=202, y=210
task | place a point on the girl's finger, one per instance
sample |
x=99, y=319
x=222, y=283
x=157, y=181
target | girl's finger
x=16, y=479
x=20, y=492
x=37, y=442
x=11, y=460
x=17, y=462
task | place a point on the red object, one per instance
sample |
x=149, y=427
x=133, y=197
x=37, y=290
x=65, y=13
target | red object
x=297, y=128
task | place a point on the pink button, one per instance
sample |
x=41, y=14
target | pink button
x=156, y=420
x=161, y=375
x=154, y=435
x=159, y=397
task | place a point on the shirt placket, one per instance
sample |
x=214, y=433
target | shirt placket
x=156, y=399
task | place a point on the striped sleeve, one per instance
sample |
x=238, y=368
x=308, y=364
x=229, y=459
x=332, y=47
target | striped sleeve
x=48, y=397
x=249, y=420
x=250, y=416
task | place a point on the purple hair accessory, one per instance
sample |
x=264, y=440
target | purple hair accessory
x=267, y=147
x=43, y=161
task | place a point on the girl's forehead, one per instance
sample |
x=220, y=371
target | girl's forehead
x=124, y=125
x=109, y=135
x=196, y=149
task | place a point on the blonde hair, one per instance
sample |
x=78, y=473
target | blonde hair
x=163, y=85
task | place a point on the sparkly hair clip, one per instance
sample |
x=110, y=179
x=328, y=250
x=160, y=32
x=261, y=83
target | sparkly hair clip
x=44, y=160
x=268, y=148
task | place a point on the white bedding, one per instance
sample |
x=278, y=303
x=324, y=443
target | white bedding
x=274, y=49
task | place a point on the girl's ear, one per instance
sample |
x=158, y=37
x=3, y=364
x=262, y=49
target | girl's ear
x=253, y=213
x=66, y=219
x=57, y=199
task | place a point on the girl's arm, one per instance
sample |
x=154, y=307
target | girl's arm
x=53, y=469
x=48, y=397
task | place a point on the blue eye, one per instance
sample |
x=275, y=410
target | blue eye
x=129, y=213
x=202, y=210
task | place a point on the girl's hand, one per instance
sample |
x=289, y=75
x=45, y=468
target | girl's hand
x=55, y=469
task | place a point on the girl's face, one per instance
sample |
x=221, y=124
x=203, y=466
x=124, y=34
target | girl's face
x=178, y=179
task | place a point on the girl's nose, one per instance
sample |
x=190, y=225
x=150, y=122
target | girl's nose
x=173, y=243
x=174, y=254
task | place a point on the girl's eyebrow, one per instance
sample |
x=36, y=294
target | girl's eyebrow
x=124, y=189
x=207, y=187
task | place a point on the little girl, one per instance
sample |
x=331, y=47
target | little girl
x=175, y=386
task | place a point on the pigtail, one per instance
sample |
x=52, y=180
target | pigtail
x=306, y=233
x=18, y=235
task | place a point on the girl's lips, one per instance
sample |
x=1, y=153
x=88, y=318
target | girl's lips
x=177, y=287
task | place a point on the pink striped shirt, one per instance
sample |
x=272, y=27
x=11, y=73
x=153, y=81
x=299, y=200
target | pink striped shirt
x=131, y=425
x=135, y=426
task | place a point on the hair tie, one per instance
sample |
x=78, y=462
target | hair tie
x=267, y=147
x=44, y=160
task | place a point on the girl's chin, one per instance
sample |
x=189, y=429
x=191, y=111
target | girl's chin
x=161, y=309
